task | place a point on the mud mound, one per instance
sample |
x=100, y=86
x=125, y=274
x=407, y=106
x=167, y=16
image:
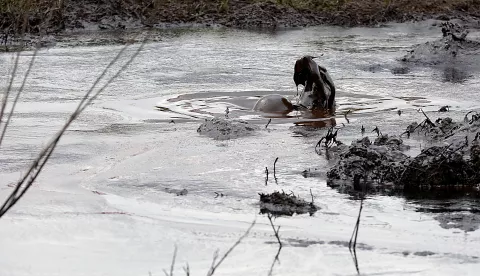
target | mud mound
x=452, y=46
x=441, y=51
x=456, y=164
x=438, y=167
x=282, y=204
x=225, y=129
x=376, y=165
x=383, y=167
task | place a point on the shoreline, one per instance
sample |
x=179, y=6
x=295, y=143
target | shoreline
x=264, y=15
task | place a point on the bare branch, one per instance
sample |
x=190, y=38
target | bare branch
x=9, y=87
x=266, y=176
x=215, y=266
x=34, y=170
x=173, y=263
x=280, y=245
x=275, y=169
x=4, y=130
x=187, y=270
x=269, y=121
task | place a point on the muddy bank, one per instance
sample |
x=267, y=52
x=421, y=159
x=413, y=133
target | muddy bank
x=225, y=129
x=450, y=163
x=453, y=46
x=57, y=17
x=369, y=166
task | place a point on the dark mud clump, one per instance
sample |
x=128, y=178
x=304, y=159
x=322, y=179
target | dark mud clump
x=178, y=192
x=283, y=204
x=225, y=129
x=438, y=167
x=452, y=166
x=451, y=163
x=377, y=165
x=453, y=46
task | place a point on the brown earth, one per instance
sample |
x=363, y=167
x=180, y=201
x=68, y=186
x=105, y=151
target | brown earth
x=46, y=16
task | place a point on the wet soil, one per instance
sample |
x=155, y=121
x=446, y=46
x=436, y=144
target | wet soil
x=224, y=129
x=382, y=167
x=51, y=19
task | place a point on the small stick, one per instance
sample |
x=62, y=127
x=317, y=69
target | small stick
x=214, y=266
x=266, y=178
x=355, y=260
x=187, y=270
x=268, y=123
x=428, y=119
x=311, y=194
x=280, y=245
x=357, y=224
x=173, y=263
x=274, y=167
x=346, y=113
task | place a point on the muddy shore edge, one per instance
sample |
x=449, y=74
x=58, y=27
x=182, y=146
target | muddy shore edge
x=56, y=18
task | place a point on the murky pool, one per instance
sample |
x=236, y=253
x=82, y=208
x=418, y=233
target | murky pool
x=132, y=179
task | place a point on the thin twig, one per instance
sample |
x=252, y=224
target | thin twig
x=355, y=260
x=14, y=71
x=266, y=177
x=15, y=101
x=9, y=88
x=187, y=270
x=34, y=170
x=214, y=266
x=346, y=114
x=280, y=245
x=352, y=246
x=428, y=121
x=173, y=263
x=269, y=121
x=274, y=167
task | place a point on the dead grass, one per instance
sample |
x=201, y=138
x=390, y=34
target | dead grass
x=57, y=14
x=34, y=13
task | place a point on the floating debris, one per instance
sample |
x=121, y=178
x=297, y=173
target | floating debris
x=283, y=204
x=178, y=192
x=444, y=108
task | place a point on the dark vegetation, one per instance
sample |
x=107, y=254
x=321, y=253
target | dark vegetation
x=48, y=16
x=450, y=163
x=285, y=204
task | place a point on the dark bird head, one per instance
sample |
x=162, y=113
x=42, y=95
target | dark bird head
x=302, y=70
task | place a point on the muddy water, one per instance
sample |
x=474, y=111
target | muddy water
x=113, y=200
